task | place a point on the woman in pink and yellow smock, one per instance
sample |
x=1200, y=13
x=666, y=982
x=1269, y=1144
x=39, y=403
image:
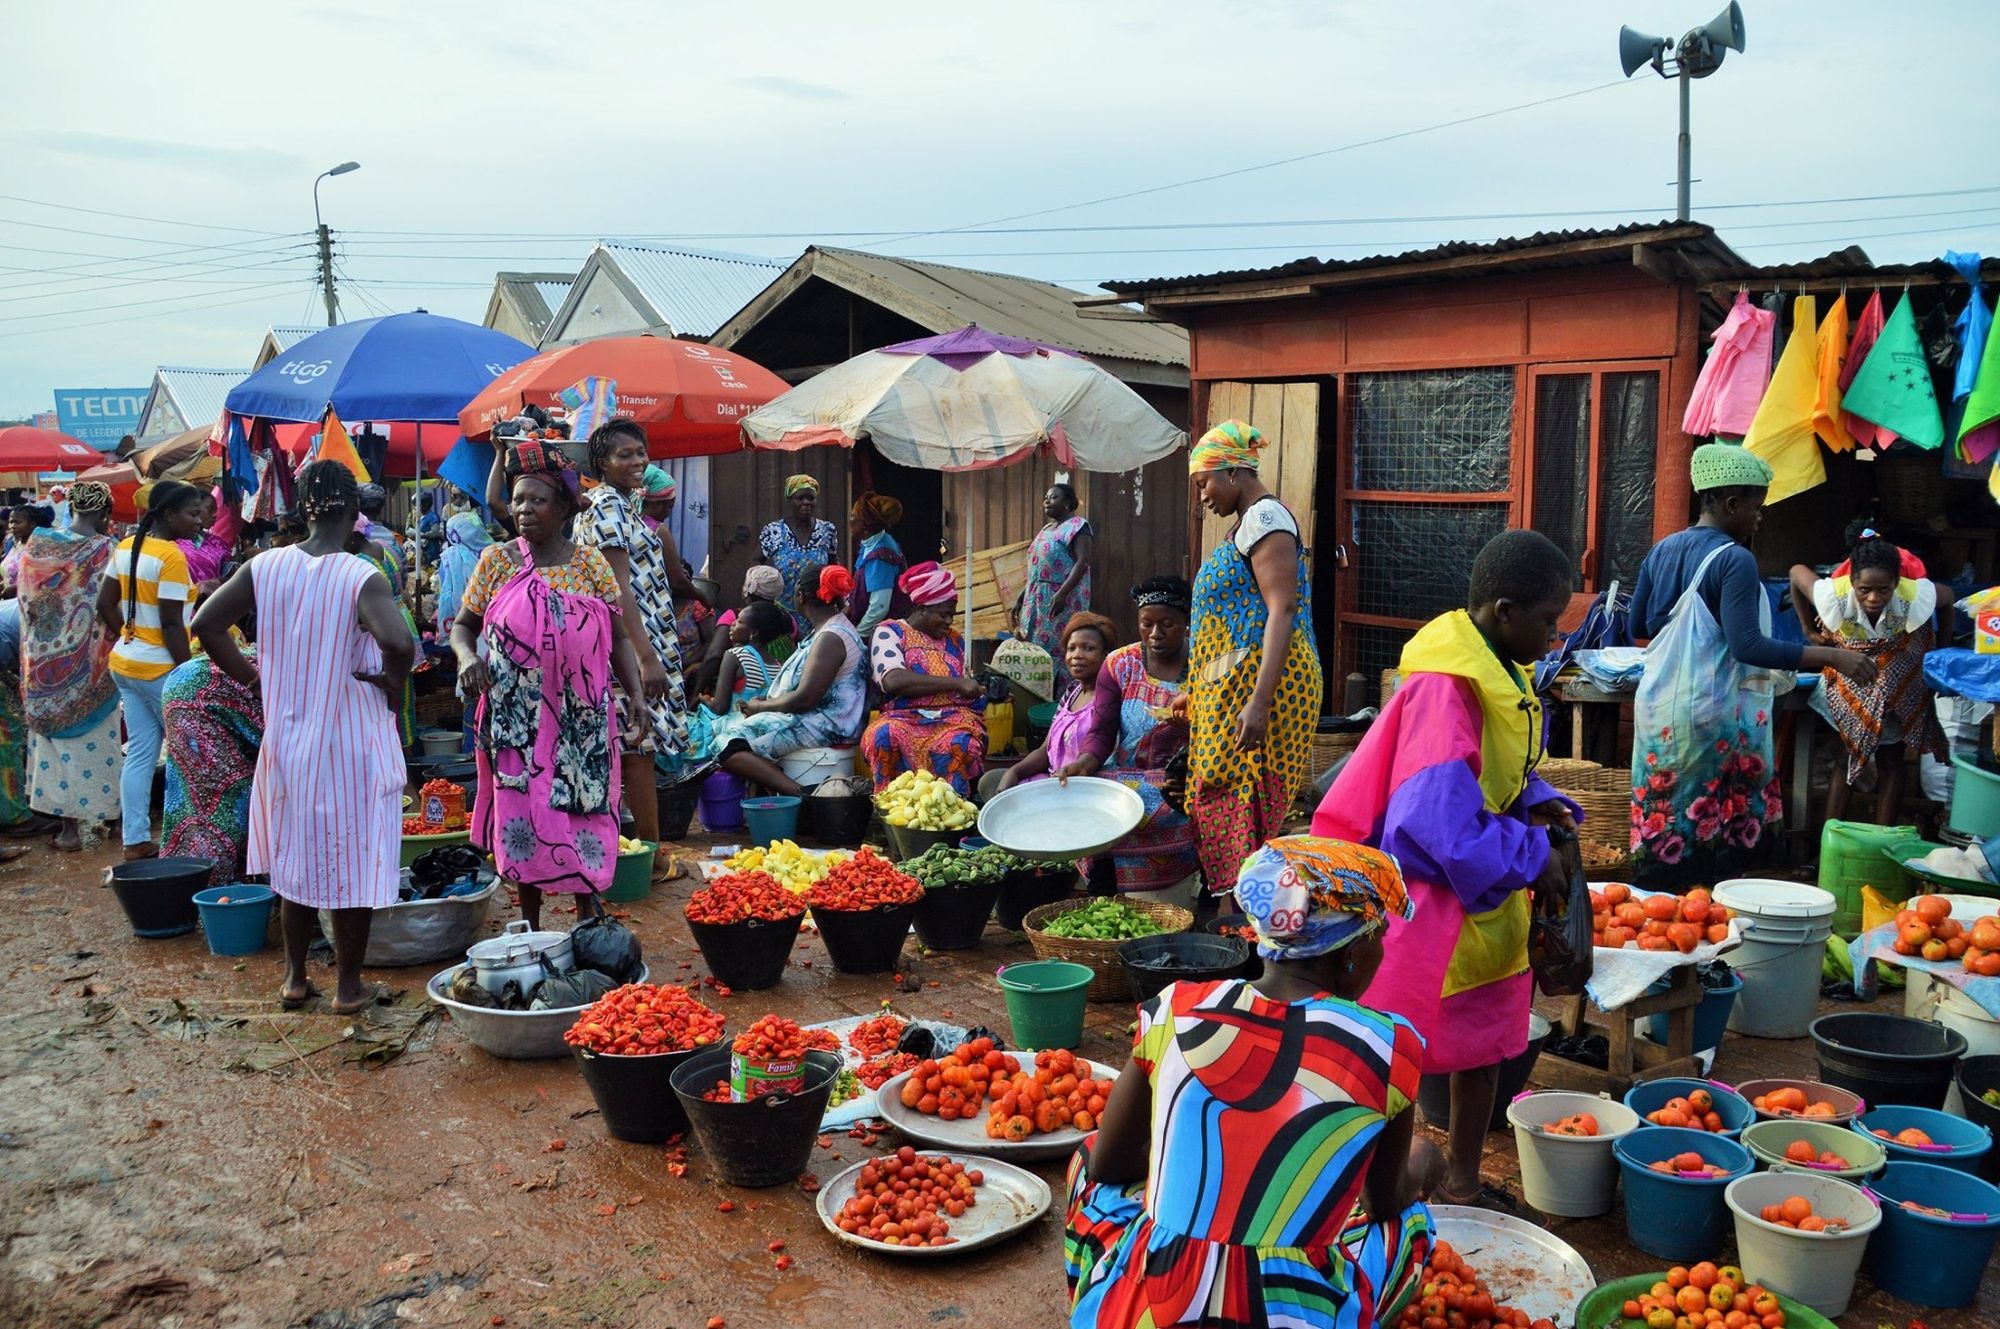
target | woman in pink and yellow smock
x=1445, y=782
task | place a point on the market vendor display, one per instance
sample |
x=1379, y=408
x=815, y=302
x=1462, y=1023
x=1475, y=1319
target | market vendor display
x=930, y=709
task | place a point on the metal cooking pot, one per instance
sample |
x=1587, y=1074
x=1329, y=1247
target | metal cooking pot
x=517, y=955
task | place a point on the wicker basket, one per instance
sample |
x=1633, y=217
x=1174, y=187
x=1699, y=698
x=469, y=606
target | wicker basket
x=1603, y=861
x=1111, y=983
x=1330, y=748
x=1570, y=773
x=1390, y=677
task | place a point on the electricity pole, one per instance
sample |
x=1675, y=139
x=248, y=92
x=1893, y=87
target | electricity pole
x=326, y=244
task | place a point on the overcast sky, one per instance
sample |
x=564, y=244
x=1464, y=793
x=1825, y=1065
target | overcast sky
x=764, y=125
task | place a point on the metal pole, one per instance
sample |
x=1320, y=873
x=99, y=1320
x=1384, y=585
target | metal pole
x=969, y=528
x=326, y=270
x=1682, y=189
x=416, y=512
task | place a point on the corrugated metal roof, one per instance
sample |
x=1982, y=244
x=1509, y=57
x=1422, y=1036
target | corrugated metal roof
x=692, y=291
x=1853, y=262
x=535, y=296
x=291, y=335
x=553, y=293
x=198, y=393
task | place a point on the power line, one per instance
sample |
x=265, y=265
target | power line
x=313, y=291
x=114, y=279
x=141, y=239
x=129, y=304
x=1993, y=219
x=127, y=216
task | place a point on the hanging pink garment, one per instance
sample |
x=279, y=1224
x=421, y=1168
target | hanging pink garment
x=1866, y=329
x=1732, y=383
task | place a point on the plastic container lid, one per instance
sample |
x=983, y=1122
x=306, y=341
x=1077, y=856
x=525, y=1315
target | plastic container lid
x=1763, y=898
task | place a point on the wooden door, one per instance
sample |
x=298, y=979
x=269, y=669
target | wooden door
x=1288, y=416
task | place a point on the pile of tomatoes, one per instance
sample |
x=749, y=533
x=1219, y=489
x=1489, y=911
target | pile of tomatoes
x=1576, y=1123
x=1688, y=1165
x=418, y=826
x=1802, y=1151
x=1791, y=1102
x=1701, y=1296
x=907, y=1199
x=1982, y=949
x=1655, y=922
x=1060, y=1093
x=736, y=897
x=879, y=1071
x=956, y=1084
x=1696, y=1112
x=1927, y=929
x=877, y=1037
x=865, y=881
x=1909, y=1135
x=644, y=1019
x=1452, y=1297
x=1796, y=1211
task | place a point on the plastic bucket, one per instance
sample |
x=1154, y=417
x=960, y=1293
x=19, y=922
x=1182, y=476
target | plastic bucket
x=1030, y=889
x=1652, y=1095
x=1955, y=1141
x=1817, y=1268
x=1845, y=1103
x=722, y=802
x=634, y=1094
x=1710, y=1018
x=1768, y=1141
x=775, y=817
x=907, y=842
x=1975, y=799
x=632, y=879
x=864, y=941
x=1675, y=1215
x=953, y=918
x=1956, y=1011
x=1975, y=1076
x=1785, y=927
x=1853, y=854
x=441, y=742
x=157, y=894
x=676, y=801
x=765, y=1142
x=235, y=919
x=1572, y=1176
x=810, y=766
x=1180, y=957
x=1045, y=1002
x=747, y=955
x=1930, y=1259
x=1434, y=1091
x=1887, y=1058
x=839, y=819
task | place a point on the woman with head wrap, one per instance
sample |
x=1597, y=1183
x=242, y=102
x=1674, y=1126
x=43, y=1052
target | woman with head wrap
x=878, y=560
x=931, y=712
x=546, y=609
x=798, y=538
x=465, y=539
x=1253, y=670
x=1704, y=781
x=68, y=700
x=659, y=492
x=1058, y=570
x=760, y=584
x=1254, y=1161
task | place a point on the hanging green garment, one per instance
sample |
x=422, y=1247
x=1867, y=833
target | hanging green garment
x=1782, y=431
x=1893, y=388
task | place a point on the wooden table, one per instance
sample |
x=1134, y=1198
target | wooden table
x=1632, y=1058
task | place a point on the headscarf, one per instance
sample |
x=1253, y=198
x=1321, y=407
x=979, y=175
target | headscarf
x=546, y=461
x=90, y=496
x=1167, y=592
x=464, y=536
x=799, y=484
x=1727, y=466
x=763, y=582
x=1306, y=895
x=659, y=482
x=1105, y=628
x=834, y=582
x=1231, y=445
x=885, y=510
x=928, y=584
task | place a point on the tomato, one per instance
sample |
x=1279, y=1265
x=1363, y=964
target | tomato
x=642, y=1019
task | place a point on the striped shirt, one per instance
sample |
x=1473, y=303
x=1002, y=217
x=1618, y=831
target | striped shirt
x=141, y=651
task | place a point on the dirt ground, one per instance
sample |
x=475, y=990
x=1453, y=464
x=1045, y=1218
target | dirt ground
x=175, y=1152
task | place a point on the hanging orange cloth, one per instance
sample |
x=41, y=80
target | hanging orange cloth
x=1782, y=432
x=1832, y=341
x=335, y=445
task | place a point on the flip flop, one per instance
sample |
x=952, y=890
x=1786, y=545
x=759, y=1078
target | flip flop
x=8, y=853
x=291, y=1003
x=375, y=994
x=1488, y=1196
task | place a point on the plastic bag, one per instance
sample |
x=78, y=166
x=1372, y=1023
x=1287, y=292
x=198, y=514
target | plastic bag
x=1559, y=944
x=609, y=947
x=564, y=991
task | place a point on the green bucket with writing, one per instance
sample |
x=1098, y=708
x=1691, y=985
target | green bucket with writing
x=1045, y=1002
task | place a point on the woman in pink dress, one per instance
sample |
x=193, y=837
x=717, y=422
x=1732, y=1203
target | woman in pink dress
x=326, y=800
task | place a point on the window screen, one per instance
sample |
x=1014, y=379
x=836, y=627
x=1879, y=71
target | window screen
x=1376, y=649
x=1627, y=457
x=1416, y=560
x=1562, y=464
x=1434, y=431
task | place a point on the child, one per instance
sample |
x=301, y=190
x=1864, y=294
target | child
x=1878, y=603
x=746, y=672
x=1071, y=748
x=1445, y=783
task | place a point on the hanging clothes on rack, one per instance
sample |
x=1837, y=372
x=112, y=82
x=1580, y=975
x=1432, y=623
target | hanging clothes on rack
x=1894, y=386
x=1975, y=442
x=1867, y=330
x=1831, y=361
x=1730, y=385
x=1782, y=431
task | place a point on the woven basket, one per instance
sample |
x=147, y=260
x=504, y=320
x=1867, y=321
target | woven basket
x=1330, y=748
x=1390, y=677
x=1111, y=983
x=1607, y=817
x=1570, y=773
x=1604, y=858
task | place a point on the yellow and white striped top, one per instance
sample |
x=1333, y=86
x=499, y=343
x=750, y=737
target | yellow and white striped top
x=141, y=651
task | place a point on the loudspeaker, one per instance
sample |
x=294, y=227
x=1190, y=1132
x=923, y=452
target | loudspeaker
x=1725, y=30
x=1636, y=50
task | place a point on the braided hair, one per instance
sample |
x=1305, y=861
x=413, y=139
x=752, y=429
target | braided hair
x=606, y=438
x=326, y=488
x=167, y=496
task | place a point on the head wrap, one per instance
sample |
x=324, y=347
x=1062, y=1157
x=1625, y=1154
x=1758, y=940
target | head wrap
x=1167, y=592
x=1306, y=895
x=1728, y=466
x=885, y=510
x=929, y=584
x=371, y=495
x=1229, y=446
x=659, y=483
x=799, y=484
x=546, y=462
x=764, y=583
x=469, y=530
x=1082, y=619
x=57, y=493
x=90, y=496
x=834, y=582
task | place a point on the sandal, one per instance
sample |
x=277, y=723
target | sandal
x=375, y=994
x=291, y=1003
x=1488, y=1196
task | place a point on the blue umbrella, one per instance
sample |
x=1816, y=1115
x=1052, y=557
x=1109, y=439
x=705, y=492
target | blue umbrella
x=401, y=367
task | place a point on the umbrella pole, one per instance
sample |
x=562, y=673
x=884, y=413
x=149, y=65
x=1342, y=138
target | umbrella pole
x=968, y=581
x=416, y=595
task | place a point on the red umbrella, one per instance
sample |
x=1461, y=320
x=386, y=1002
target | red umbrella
x=26, y=449
x=689, y=397
x=296, y=440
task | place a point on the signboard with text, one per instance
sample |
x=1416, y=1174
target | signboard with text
x=99, y=416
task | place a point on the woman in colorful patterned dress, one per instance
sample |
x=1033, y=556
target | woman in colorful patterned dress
x=1142, y=718
x=214, y=728
x=878, y=561
x=931, y=712
x=1253, y=670
x=796, y=539
x=546, y=611
x=1255, y=1163
x=1058, y=570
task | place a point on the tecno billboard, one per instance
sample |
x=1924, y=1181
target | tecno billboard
x=99, y=416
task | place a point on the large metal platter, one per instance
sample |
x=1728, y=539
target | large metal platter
x=969, y=1137
x=1009, y=1201
x=1061, y=821
x=1525, y=1266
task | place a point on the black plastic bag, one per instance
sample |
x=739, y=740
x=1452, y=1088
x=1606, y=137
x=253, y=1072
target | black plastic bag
x=609, y=947
x=562, y=991
x=1559, y=932
x=434, y=870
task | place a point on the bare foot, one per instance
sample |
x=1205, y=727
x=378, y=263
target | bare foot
x=68, y=840
x=354, y=1005
x=292, y=995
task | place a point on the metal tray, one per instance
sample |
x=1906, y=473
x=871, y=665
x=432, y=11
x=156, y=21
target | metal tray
x=515, y=1035
x=969, y=1137
x=1059, y=822
x=1525, y=1266
x=1009, y=1201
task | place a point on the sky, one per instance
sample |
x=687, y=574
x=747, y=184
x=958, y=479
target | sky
x=157, y=161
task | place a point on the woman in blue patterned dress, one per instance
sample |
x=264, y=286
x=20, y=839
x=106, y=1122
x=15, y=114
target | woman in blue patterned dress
x=795, y=540
x=1058, y=571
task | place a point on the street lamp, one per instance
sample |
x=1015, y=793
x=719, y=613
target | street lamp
x=326, y=242
x=1698, y=55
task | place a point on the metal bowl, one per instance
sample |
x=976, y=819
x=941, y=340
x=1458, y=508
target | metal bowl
x=1053, y=821
x=515, y=1035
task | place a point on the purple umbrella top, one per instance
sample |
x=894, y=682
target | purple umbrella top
x=969, y=345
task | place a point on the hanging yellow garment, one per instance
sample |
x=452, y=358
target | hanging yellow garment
x=1782, y=431
x=1832, y=348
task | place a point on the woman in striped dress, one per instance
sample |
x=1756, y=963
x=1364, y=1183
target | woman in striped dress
x=1255, y=1165
x=326, y=800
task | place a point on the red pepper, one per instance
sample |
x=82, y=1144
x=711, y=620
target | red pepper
x=737, y=896
x=643, y=1019
x=865, y=881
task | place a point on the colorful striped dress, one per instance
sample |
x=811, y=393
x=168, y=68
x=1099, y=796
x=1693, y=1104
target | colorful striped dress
x=1161, y=853
x=326, y=813
x=1265, y=1116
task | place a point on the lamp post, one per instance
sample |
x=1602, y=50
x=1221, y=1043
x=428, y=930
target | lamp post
x=326, y=243
x=1697, y=55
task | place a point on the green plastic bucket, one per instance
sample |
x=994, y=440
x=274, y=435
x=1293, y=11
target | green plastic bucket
x=1854, y=854
x=632, y=879
x=1975, y=799
x=1045, y=1002
x=1604, y=1308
